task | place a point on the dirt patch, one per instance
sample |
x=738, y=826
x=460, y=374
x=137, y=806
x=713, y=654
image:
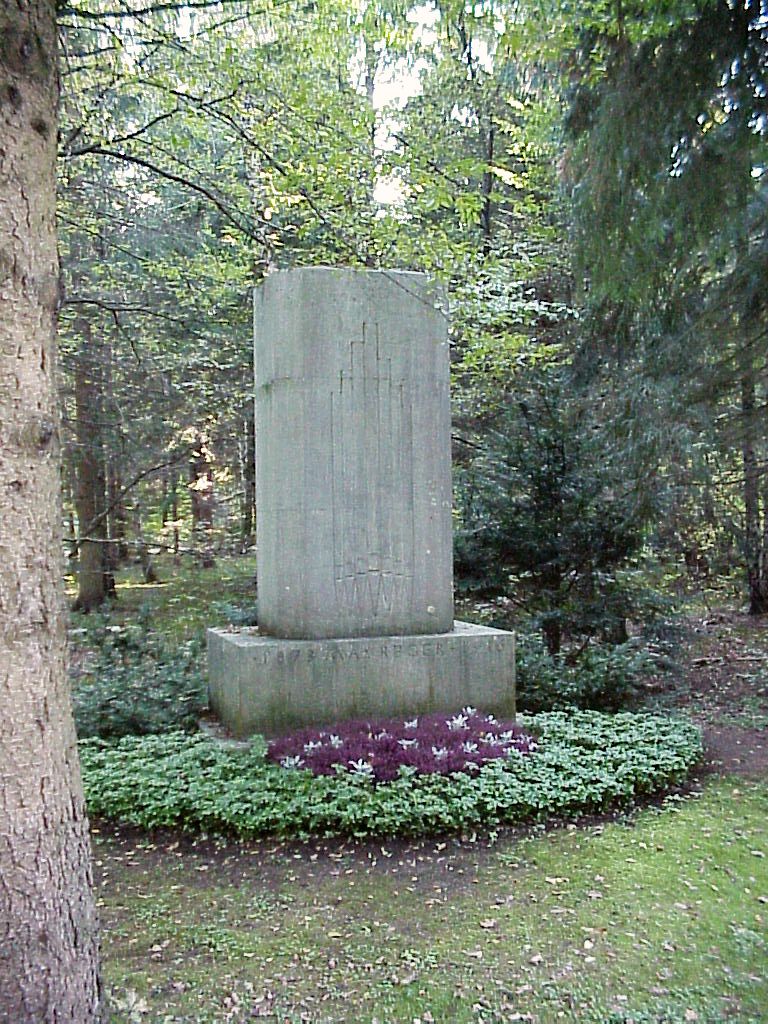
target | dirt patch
x=723, y=687
x=735, y=751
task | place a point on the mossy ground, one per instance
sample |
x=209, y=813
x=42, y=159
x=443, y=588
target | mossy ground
x=186, y=600
x=664, y=913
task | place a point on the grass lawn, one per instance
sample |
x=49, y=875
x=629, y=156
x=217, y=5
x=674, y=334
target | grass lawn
x=661, y=916
x=669, y=907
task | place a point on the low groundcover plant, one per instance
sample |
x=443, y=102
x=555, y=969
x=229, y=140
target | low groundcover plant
x=585, y=761
x=427, y=743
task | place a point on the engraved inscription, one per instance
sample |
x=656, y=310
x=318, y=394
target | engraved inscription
x=372, y=474
x=449, y=649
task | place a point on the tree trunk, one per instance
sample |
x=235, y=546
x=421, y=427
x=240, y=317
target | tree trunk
x=164, y=500
x=758, y=595
x=94, y=576
x=145, y=557
x=249, y=480
x=487, y=187
x=118, y=517
x=553, y=635
x=202, y=496
x=48, y=941
x=114, y=449
x=175, y=511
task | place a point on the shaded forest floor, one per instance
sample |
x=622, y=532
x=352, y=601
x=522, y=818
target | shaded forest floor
x=661, y=915
x=723, y=686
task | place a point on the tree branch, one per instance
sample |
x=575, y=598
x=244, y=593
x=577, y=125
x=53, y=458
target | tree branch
x=113, y=308
x=157, y=8
x=179, y=457
x=178, y=179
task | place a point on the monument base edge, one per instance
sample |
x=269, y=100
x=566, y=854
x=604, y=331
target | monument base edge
x=260, y=684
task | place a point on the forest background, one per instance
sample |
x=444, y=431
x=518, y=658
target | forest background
x=587, y=181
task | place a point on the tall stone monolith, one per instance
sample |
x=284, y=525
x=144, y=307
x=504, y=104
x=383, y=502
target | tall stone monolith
x=353, y=462
x=353, y=497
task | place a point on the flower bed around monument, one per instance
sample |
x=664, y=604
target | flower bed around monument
x=584, y=762
x=429, y=744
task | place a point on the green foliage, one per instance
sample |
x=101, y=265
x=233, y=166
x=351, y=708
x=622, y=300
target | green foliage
x=586, y=762
x=548, y=510
x=665, y=192
x=246, y=614
x=669, y=216
x=604, y=677
x=137, y=683
x=676, y=1011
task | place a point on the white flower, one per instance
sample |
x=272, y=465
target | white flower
x=468, y=747
x=312, y=745
x=361, y=767
x=383, y=735
x=491, y=720
x=507, y=737
x=413, y=724
x=335, y=741
x=457, y=722
x=408, y=743
x=439, y=752
x=468, y=711
x=292, y=762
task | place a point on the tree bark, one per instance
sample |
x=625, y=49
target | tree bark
x=48, y=942
x=94, y=578
x=758, y=596
x=248, y=528
x=487, y=187
x=175, y=510
x=145, y=558
x=118, y=516
x=114, y=449
x=202, y=499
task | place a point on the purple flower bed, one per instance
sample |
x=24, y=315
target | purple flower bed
x=430, y=744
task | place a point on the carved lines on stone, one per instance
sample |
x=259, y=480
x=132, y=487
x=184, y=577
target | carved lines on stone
x=372, y=475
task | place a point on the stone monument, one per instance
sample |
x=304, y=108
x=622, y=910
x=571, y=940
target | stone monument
x=353, y=502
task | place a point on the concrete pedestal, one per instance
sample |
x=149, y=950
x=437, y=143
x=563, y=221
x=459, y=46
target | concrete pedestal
x=269, y=685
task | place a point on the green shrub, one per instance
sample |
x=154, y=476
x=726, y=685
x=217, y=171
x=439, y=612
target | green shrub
x=604, y=677
x=586, y=762
x=136, y=683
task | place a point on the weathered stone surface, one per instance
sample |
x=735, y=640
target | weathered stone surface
x=353, y=455
x=353, y=478
x=269, y=685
